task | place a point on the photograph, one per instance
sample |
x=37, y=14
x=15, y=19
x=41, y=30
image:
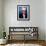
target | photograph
x=23, y=12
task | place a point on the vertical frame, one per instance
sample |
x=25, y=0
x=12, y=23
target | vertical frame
x=23, y=12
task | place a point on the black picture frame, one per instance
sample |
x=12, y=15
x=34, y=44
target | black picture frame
x=23, y=12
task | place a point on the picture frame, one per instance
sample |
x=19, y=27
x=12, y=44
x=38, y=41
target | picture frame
x=23, y=12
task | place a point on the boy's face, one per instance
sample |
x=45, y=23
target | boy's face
x=24, y=10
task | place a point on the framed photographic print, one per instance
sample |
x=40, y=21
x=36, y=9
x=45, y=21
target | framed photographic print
x=23, y=12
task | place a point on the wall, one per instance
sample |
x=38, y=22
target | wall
x=36, y=15
x=45, y=19
x=0, y=18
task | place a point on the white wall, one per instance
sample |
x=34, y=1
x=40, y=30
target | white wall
x=36, y=15
x=0, y=11
x=45, y=19
x=0, y=18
